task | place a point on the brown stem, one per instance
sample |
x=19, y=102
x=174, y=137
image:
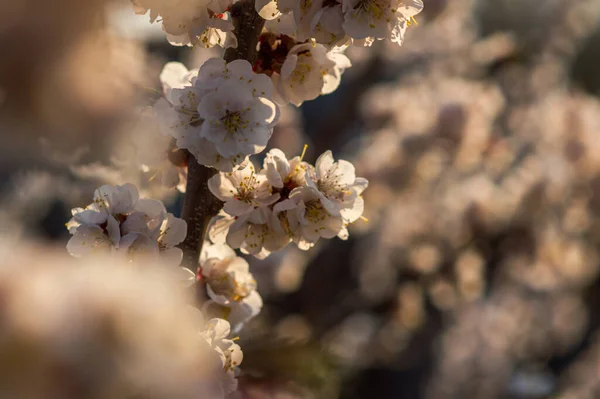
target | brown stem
x=199, y=205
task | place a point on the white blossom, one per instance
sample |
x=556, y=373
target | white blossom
x=296, y=203
x=119, y=222
x=235, y=120
x=307, y=72
x=308, y=218
x=254, y=234
x=338, y=187
x=369, y=20
x=215, y=332
x=229, y=284
x=242, y=190
x=338, y=22
x=191, y=22
x=221, y=113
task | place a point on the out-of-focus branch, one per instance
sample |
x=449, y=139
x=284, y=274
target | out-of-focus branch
x=199, y=205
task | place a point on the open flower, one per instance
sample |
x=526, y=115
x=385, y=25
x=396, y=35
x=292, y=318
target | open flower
x=307, y=72
x=242, y=190
x=215, y=332
x=287, y=201
x=189, y=22
x=310, y=220
x=338, y=187
x=254, y=234
x=229, y=284
x=369, y=20
x=119, y=222
x=235, y=120
x=221, y=114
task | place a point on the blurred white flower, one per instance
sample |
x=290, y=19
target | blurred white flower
x=191, y=22
x=118, y=332
x=369, y=20
x=215, y=332
x=145, y=150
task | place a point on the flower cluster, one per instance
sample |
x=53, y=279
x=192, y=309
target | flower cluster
x=299, y=71
x=338, y=22
x=229, y=284
x=192, y=22
x=119, y=222
x=221, y=113
x=288, y=200
x=228, y=354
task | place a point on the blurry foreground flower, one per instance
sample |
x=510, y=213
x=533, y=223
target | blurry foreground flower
x=102, y=331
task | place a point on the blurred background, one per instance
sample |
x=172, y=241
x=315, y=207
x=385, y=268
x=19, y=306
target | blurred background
x=477, y=274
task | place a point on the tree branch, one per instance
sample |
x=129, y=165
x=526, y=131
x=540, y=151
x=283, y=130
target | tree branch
x=199, y=205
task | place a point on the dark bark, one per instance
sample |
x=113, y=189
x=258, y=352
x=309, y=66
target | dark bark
x=199, y=205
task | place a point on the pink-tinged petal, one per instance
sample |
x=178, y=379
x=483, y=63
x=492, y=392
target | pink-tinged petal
x=222, y=187
x=239, y=265
x=288, y=66
x=174, y=76
x=323, y=164
x=331, y=81
x=216, y=251
x=345, y=171
x=237, y=234
x=212, y=106
x=172, y=257
x=237, y=208
x=360, y=185
x=114, y=231
x=173, y=231
x=267, y=9
x=352, y=214
x=240, y=68
x=343, y=234
x=332, y=208
x=211, y=69
x=90, y=216
x=151, y=207
x=220, y=327
x=88, y=239
x=410, y=8
x=333, y=226
x=261, y=111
